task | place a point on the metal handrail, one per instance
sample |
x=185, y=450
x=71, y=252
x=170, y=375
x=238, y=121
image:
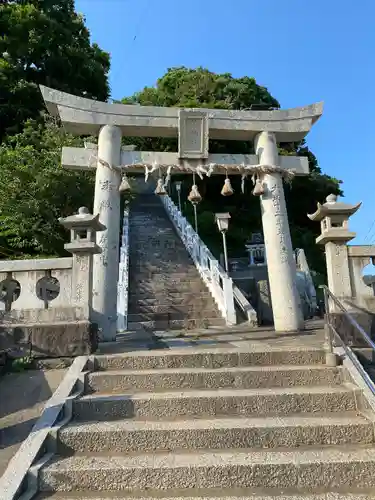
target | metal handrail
x=329, y=295
x=330, y=329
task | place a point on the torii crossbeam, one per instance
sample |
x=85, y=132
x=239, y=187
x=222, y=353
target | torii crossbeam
x=193, y=127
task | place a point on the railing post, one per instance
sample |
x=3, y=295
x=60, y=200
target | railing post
x=231, y=317
x=331, y=358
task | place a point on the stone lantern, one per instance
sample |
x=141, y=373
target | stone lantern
x=83, y=227
x=335, y=234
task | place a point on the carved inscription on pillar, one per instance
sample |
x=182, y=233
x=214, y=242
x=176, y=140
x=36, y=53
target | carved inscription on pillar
x=279, y=222
x=105, y=205
x=103, y=243
x=192, y=134
x=82, y=263
x=106, y=185
x=79, y=292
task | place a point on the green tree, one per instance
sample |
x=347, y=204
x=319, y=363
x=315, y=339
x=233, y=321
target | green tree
x=45, y=42
x=36, y=191
x=183, y=87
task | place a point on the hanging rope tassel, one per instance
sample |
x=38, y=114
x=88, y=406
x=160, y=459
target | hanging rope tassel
x=124, y=186
x=168, y=177
x=243, y=178
x=258, y=188
x=194, y=195
x=160, y=189
x=227, y=188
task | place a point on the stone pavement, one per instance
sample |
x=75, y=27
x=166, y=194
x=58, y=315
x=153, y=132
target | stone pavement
x=22, y=398
x=230, y=337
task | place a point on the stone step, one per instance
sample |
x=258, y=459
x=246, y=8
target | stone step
x=175, y=299
x=167, y=241
x=172, y=309
x=190, y=272
x=247, y=377
x=140, y=287
x=162, y=260
x=306, y=470
x=173, y=316
x=210, y=358
x=161, y=252
x=211, y=403
x=163, y=227
x=177, y=324
x=243, y=494
x=218, y=434
x=179, y=269
x=191, y=276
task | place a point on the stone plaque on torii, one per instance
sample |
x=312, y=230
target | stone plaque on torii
x=193, y=127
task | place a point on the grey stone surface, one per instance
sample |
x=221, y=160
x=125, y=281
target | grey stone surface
x=162, y=273
x=117, y=382
x=35, y=444
x=239, y=494
x=22, y=398
x=207, y=403
x=85, y=117
x=211, y=358
x=220, y=433
x=74, y=338
x=53, y=314
x=310, y=469
x=255, y=418
x=82, y=159
x=8, y=266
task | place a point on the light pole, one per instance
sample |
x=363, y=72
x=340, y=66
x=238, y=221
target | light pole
x=222, y=221
x=178, y=189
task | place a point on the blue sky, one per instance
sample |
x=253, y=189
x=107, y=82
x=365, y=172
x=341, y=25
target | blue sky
x=301, y=50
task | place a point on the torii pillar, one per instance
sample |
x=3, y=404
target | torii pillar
x=286, y=303
x=193, y=127
x=107, y=205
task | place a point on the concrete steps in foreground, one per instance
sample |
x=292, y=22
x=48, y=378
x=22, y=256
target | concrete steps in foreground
x=207, y=403
x=129, y=436
x=243, y=494
x=254, y=423
x=299, y=469
x=192, y=323
x=210, y=358
x=237, y=377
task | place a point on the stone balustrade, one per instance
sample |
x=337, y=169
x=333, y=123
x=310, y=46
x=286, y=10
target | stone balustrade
x=214, y=276
x=46, y=304
x=37, y=290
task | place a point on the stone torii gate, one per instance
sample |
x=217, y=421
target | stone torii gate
x=193, y=127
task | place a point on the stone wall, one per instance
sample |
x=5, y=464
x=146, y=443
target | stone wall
x=39, y=314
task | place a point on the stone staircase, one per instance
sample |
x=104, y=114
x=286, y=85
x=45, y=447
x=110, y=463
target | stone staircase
x=251, y=422
x=166, y=291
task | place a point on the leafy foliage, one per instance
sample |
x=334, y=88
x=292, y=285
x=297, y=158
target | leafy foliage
x=45, y=42
x=41, y=42
x=36, y=191
x=199, y=87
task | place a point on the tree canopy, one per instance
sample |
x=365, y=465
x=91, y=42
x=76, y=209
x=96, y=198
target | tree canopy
x=184, y=87
x=41, y=42
x=45, y=42
x=36, y=191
